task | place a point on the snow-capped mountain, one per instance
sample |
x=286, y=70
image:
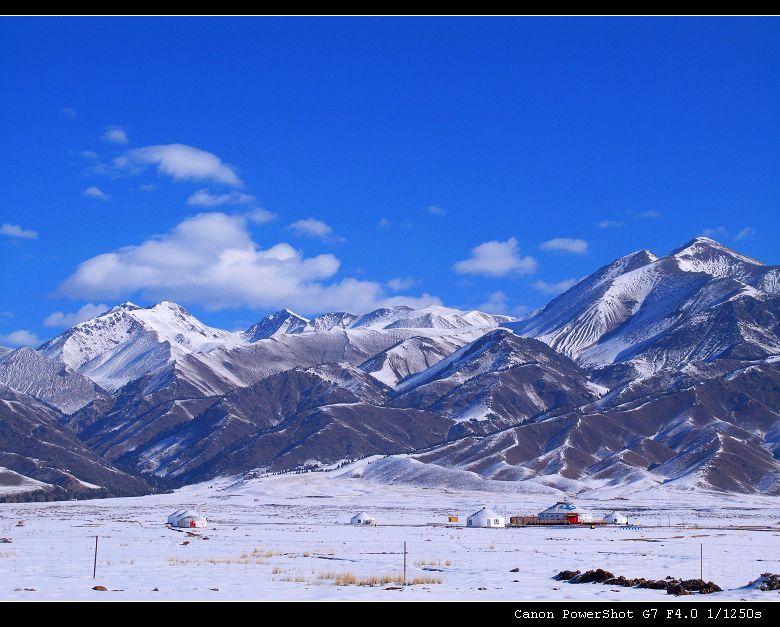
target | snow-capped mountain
x=279, y=323
x=651, y=370
x=128, y=342
x=286, y=322
x=701, y=302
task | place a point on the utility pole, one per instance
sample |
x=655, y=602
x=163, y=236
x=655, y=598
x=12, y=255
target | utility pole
x=701, y=562
x=404, y=563
x=94, y=563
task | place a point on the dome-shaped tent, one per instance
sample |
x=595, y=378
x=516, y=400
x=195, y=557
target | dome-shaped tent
x=616, y=518
x=362, y=519
x=486, y=518
x=186, y=518
x=565, y=512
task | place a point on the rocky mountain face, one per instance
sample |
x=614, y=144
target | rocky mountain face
x=720, y=432
x=41, y=459
x=651, y=371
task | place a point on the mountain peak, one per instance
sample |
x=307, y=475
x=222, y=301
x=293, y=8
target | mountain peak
x=126, y=306
x=278, y=323
x=704, y=254
x=701, y=242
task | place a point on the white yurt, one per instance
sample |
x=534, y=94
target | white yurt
x=362, y=519
x=561, y=512
x=187, y=518
x=566, y=512
x=486, y=518
x=616, y=518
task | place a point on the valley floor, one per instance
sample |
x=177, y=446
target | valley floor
x=287, y=538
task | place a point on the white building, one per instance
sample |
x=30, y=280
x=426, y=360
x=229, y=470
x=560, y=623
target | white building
x=616, y=518
x=362, y=519
x=561, y=512
x=566, y=512
x=486, y=518
x=186, y=518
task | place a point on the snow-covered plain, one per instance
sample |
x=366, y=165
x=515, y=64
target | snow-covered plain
x=286, y=537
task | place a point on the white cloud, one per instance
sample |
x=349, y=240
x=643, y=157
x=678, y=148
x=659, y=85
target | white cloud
x=69, y=113
x=718, y=232
x=497, y=303
x=746, y=232
x=88, y=154
x=384, y=223
x=115, y=135
x=399, y=284
x=651, y=214
x=435, y=210
x=60, y=319
x=722, y=233
x=147, y=187
x=566, y=245
x=496, y=259
x=183, y=163
x=204, y=198
x=554, y=289
x=22, y=337
x=258, y=215
x=310, y=227
x=211, y=260
x=95, y=192
x=608, y=224
x=15, y=230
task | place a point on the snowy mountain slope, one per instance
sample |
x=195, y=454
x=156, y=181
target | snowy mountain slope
x=4, y=350
x=496, y=381
x=332, y=320
x=414, y=355
x=128, y=342
x=181, y=439
x=703, y=301
x=54, y=383
x=335, y=432
x=717, y=434
x=593, y=307
x=35, y=445
x=281, y=322
x=247, y=364
x=431, y=317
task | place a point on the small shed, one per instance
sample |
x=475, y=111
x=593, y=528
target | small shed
x=486, y=518
x=363, y=519
x=187, y=518
x=616, y=518
x=452, y=519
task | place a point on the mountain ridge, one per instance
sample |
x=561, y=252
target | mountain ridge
x=651, y=370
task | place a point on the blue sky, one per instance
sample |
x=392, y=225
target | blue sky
x=242, y=165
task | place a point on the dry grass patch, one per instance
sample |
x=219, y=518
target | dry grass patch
x=350, y=579
x=433, y=563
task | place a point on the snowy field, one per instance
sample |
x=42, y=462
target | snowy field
x=287, y=538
